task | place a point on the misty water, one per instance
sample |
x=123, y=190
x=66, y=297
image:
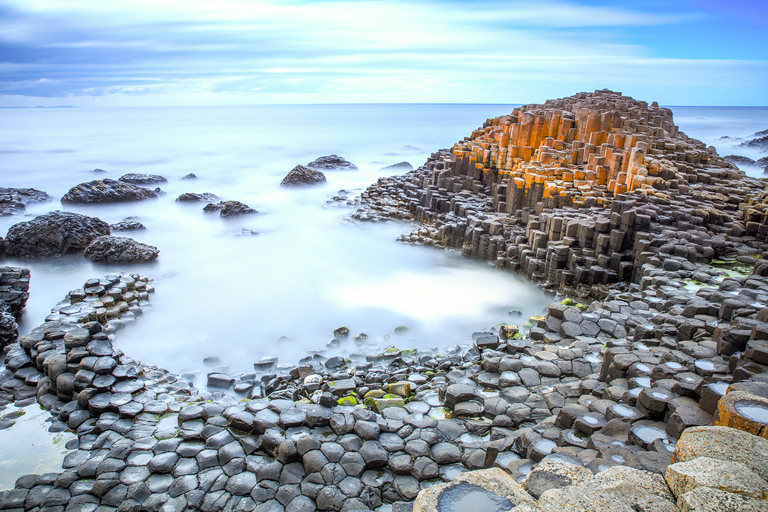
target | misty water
x=309, y=270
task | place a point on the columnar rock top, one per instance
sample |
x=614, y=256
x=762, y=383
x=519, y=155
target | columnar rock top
x=597, y=144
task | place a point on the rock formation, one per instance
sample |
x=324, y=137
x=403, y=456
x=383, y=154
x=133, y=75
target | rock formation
x=205, y=197
x=118, y=249
x=330, y=163
x=230, y=208
x=301, y=176
x=106, y=191
x=14, y=200
x=143, y=179
x=54, y=234
x=129, y=224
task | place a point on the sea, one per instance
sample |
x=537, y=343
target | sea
x=230, y=292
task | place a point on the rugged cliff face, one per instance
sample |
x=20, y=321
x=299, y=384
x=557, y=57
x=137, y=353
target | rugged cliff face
x=578, y=192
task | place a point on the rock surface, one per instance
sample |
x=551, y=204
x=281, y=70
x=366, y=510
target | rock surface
x=54, y=234
x=230, y=208
x=302, y=176
x=14, y=200
x=142, y=179
x=205, y=197
x=331, y=162
x=117, y=249
x=106, y=191
x=129, y=224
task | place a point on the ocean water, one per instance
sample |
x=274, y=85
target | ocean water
x=282, y=292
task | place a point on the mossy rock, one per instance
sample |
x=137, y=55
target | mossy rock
x=347, y=400
x=375, y=393
x=341, y=332
x=567, y=302
x=401, y=329
x=361, y=337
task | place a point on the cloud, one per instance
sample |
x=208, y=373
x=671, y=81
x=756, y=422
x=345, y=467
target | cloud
x=332, y=50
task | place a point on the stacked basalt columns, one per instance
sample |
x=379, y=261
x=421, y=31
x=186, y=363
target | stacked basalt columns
x=69, y=362
x=576, y=193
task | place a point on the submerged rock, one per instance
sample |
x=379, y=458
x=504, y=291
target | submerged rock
x=14, y=200
x=230, y=208
x=54, y=234
x=300, y=176
x=129, y=224
x=190, y=176
x=331, y=162
x=106, y=191
x=118, y=249
x=206, y=197
x=143, y=179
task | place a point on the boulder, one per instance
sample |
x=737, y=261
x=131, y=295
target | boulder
x=230, y=208
x=106, y=191
x=723, y=443
x=54, y=234
x=400, y=166
x=302, y=176
x=9, y=329
x=733, y=477
x=331, y=162
x=205, y=197
x=118, y=249
x=142, y=179
x=14, y=200
x=129, y=224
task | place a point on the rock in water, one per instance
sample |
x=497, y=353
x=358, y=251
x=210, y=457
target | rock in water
x=14, y=200
x=9, y=329
x=191, y=196
x=759, y=142
x=118, y=249
x=301, y=176
x=106, y=191
x=129, y=224
x=230, y=208
x=740, y=160
x=54, y=234
x=400, y=166
x=190, y=176
x=331, y=162
x=143, y=179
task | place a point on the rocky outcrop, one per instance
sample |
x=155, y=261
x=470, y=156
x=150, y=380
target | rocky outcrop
x=14, y=292
x=301, y=176
x=143, y=179
x=205, y=197
x=129, y=224
x=760, y=141
x=330, y=163
x=14, y=200
x=230, y=209
x=54, y=234
x=117, y=249
x=401, y=166
x=106, y=191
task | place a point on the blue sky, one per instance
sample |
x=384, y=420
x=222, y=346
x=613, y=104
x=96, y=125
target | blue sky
x=192, y=52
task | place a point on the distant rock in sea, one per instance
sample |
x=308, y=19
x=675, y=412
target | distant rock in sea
x=760, y=141
x=14, y=200
x=331, y=162
x=302, y=176
x=230, y=209
x=401, y=166
x=54, y=234
x=118, y=249
x=190, y=176
x=106, y=191
x=205, y=197
x=129, y=224
x=143, y=179
x=741, y=160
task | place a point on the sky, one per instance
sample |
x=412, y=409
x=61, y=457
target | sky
x=228, y=52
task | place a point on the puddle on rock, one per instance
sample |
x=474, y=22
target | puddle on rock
x=466, y=496
x=28, y=447
x=753, y=411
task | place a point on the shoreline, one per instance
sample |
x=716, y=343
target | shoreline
x=667, y=343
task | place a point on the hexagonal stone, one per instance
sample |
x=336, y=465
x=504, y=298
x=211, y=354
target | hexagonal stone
x=163, y=463
x=728, y=476
x=241, y=484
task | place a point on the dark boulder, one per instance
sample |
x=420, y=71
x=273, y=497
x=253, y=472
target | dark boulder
x=301, y=176
x=106, y=191
x=9, y=329
x=331, y=162
x=190, y=176
x=759, y=142
x=14, y=200
x=129, y=224
x=54, y=234
x=205, y=197
x=230, y=208
x=118, y=249
x=740, y=160
x=143, y=179
x=14, y=289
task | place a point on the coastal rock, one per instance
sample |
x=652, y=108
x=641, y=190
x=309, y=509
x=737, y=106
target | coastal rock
x=230, y=208
x=331, y=162
x=129, y=224
x=106, y=191
x=14, y=200
x=400, y=166
x=302, y=176
x=204, y=197
x=117, y=249
x=760, y=141
x=741, y=160
x=142, y=179
x=190, y=176
x=9, y=329
x=54, y=234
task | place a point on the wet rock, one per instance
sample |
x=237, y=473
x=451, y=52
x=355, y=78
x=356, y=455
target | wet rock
x=230, y=209
x=303, y=176
x=14, y=200
x=129, y=224
x=331, y=162
x=142, y=179
x=116, y=249
x=106, y=191
x=54, y=234
x=204, y=197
